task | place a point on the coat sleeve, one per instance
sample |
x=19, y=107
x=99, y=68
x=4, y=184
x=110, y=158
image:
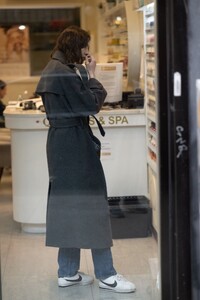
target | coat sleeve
x=89, y=96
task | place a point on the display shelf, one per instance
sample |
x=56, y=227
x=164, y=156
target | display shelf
x=151, y=98
x=151, y=115
x=152, y=133
x=150, y=91
x=151, y=102
x=151, y=105
x=150, y=143
x=152, y=164
x=151, y=128
x=149, y=30
x=152, y=158
x=116, y=35
x=119, y=41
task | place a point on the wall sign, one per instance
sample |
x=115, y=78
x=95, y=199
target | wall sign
x=119, y=120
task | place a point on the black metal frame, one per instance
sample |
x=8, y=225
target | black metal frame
x=174, y=150
x=194, y=74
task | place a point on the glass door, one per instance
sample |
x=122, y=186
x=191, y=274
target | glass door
x=157, y=137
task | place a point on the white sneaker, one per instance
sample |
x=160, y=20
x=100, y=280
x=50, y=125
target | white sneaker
x=78, y=279
x=118, y=284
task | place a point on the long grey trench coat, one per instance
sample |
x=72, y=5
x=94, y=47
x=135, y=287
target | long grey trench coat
x=77, y=209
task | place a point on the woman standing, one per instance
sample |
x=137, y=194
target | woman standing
x=77, y=210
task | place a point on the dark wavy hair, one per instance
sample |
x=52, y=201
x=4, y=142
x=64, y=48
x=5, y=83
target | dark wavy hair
x=2, y=84
x=70, y=42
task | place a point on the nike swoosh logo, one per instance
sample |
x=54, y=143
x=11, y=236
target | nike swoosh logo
x=75, y=280
x=110, y=284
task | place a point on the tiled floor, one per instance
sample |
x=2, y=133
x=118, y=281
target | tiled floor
x=29, y=268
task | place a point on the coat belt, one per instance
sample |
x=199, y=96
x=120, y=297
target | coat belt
x=68, y=122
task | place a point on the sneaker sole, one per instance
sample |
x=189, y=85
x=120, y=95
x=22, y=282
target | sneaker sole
x=75, y=283
x=118, y=291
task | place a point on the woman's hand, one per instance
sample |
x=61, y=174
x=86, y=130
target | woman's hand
x=90, y=64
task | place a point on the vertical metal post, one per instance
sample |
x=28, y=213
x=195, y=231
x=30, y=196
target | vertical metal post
x=174, y=150
x=194, y=117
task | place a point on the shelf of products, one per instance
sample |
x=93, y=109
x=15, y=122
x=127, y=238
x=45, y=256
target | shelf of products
x=119, y=41
x=150, y=92
x=151, y=109
x=116, y=35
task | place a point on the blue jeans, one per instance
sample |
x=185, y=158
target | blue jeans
x=69, y=262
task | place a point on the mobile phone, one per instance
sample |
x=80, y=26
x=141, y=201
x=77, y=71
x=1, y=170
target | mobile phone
x=89, y=59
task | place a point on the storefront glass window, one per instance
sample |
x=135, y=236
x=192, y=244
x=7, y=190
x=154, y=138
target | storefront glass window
x=126, y=34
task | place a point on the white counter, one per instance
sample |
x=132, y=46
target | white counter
x=29, y=167
x=123, y=151
x=123, y=159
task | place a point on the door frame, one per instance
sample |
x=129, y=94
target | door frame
x=174, y=150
